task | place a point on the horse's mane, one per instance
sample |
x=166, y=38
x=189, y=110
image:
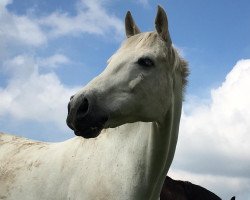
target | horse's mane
x=180, y=65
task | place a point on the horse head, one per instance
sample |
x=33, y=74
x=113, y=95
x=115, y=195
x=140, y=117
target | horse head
x=136, y=85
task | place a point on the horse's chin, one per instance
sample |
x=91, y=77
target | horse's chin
x=91, y=132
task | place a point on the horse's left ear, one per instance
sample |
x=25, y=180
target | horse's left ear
x=130, y=26
x=161, y=25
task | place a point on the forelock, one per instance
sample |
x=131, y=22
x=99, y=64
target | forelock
x=142, y=40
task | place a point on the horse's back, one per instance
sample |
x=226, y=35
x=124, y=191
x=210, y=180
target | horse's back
x=18, y=158
x=11, y=145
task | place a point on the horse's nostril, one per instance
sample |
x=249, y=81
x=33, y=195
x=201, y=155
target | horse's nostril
x=84, y=107
x=72, y=97
x=68, y=107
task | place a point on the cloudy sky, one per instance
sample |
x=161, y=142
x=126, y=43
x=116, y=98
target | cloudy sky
x=50, y=49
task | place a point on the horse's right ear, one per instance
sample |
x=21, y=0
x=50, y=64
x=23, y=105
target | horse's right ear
x=130, y=26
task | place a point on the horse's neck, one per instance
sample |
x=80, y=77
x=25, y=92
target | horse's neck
x=163, y=143
x=157, y=143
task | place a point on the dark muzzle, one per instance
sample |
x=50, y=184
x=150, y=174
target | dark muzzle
x=85, y=117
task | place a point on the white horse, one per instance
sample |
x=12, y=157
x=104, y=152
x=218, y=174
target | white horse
x=135, y=106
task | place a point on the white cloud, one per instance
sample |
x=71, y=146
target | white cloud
x=30, y=95
x=19, y=29
x=91, y=18
x=34, y=31
x=223, y=186
x=214, y=137
x=54, y=61
x=4, y=3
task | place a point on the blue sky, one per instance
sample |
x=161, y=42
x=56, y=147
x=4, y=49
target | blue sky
x=50, y=49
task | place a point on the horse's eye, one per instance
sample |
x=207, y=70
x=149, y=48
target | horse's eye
x=147, y=62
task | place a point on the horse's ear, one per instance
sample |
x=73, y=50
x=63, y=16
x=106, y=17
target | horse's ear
x=130, y=26
x=161, y=25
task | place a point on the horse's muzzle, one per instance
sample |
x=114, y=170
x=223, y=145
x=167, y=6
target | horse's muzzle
x=86, y=119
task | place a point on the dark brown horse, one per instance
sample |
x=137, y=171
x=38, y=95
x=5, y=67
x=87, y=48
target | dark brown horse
x=183, y=190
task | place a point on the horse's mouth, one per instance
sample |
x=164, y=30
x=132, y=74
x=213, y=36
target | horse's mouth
x=90, y=132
